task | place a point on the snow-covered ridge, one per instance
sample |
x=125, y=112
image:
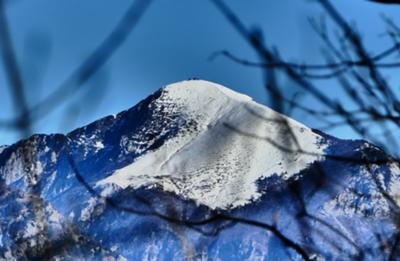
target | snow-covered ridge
x=236, y=142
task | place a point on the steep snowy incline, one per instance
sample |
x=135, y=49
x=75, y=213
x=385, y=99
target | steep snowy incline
x=232, y=143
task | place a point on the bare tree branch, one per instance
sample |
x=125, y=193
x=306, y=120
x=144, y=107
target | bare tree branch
x=91, y=64
x=13, y=73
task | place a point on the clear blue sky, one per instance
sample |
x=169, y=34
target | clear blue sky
x=172, y=42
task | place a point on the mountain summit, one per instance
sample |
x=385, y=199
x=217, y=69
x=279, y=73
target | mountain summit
x=221, y=147
x=197, y=171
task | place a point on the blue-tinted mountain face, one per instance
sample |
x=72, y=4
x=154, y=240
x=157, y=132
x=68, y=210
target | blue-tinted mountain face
x=197, y=172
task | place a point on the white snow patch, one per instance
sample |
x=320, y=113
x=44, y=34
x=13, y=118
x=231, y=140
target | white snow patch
x=31, y=229
x=98, y=145
x=108, y=191
x=87, y=212
x=13, y=170
x=394, y=189
x=55, y=217
x=53, y=157
x=52, y=177
x=236, y=143
x=17, y=168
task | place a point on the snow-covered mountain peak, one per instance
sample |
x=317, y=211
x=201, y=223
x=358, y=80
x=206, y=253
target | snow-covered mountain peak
x=111, y=188
x=208, y=101
x=234, y=143
x=196, y=90
x=204, y=100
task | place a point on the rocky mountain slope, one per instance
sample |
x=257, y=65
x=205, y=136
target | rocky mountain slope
x=197, y=172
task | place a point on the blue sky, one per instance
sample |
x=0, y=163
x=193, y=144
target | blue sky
x=172, y=42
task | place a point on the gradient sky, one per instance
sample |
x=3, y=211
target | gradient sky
x=172, y=42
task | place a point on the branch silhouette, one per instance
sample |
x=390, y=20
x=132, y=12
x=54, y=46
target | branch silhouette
x=90, y=65
x=13, y=73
